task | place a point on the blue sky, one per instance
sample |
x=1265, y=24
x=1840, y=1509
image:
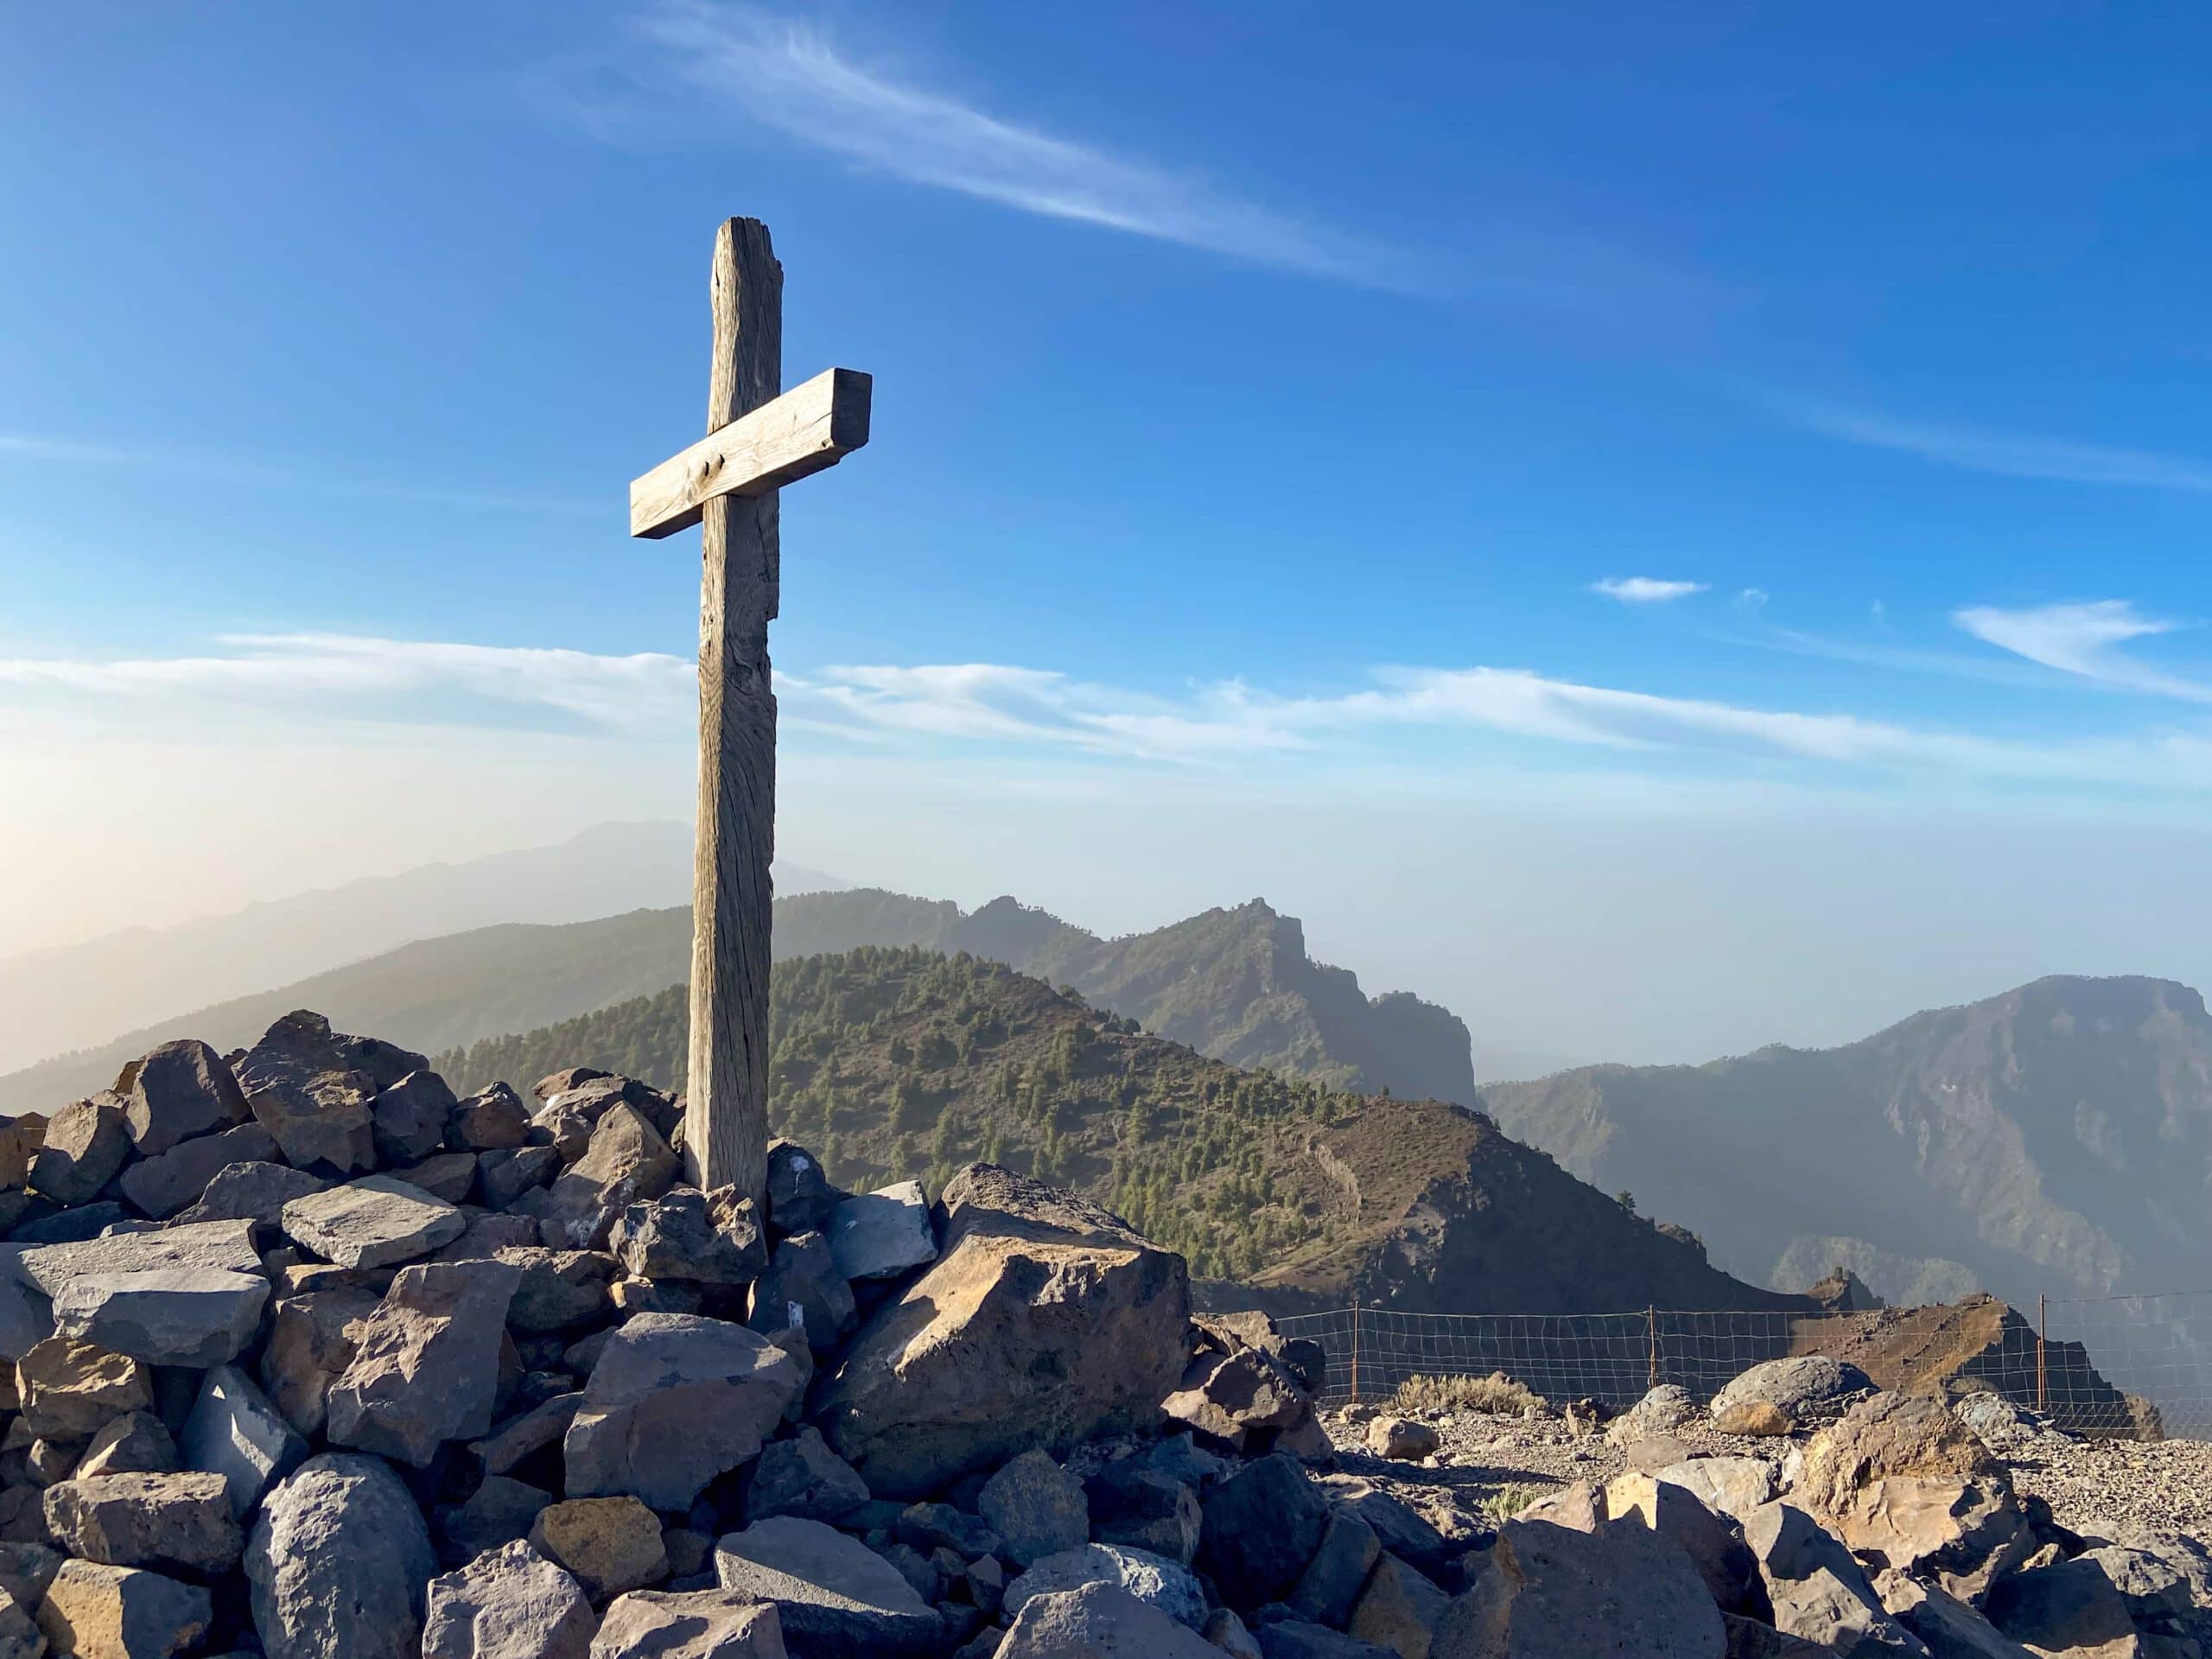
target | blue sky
x=1734, y=422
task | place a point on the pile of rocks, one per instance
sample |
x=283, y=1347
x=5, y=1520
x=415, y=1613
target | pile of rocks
x=312, y=1359
x=1806, y=1512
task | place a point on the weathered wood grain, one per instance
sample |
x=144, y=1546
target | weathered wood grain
x=726, y=1116
x=809, y=428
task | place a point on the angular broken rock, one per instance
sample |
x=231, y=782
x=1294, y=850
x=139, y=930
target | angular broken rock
x=426, y=1367
x=93, y=1611
x=25, y=1318
x=1145, y=1508
x=558, y=1290
x=803, y=1287
x=192, y=1317
x=510, y=1603
x=541, y=1425
x=800, y=1197
x=182, y=1089
x=1037, y=1508
x=371, y=1223
x=2066, y=1607
x=803, y=1477
x=256, y=1191
x=500, y=1511
x=223, y=1244
x=338, y=1562
x=1261, y=1526
x=1806, y=1389
x=695, y=1625
x=1046, y=1322
x=1661, y=1411
x=673, y=1401
x=1330, y=1584
x=1549, y=1591
x=408, y=1119
x=707, y=1238
x=135, y=1443
x=1676, y=1513
x=828, y=1590
x=611, y=1544
x=164, y=1186
x=234, y=1432
x=505, y=1174
x=1819, y=1591
x=1153, y=1580
x=1398, y=1609
x=312, y=1338
x=1226, y=1396
x=447, y=1175
x=488, y=1122
x=86, y=1143
x=1402, y=1439
x=179, y=1522
x=1101, y=1620
x=1731, y=1486
x=71, y=1390
x=1949, y=1628
x=881, y=1234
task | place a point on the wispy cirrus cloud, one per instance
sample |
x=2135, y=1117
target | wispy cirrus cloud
x=1646, y=590
x=785, y=72
x=307, y=682
x=2083, y=638
x=2009, y=454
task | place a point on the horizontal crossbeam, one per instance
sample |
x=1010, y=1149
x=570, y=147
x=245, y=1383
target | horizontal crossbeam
x=809, y=428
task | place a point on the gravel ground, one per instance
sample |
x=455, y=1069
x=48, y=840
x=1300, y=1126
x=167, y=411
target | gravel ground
x=1488, y=1466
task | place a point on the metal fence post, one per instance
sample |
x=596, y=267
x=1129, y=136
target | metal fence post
x=2043, y=1366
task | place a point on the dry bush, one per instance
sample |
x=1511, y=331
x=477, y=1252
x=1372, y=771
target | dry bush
x=1497, y=1392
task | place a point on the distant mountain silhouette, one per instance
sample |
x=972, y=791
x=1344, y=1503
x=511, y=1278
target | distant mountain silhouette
x=1235, y=984
x=66, y=996
x=2057, y=1138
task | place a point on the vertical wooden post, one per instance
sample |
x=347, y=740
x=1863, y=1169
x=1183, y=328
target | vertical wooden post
x=1355, y=1351
x=2042, y=1342
x=726, y=1118
x=1651, y=1338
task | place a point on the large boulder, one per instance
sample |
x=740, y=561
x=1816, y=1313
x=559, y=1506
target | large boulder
x=1166, y=1585
x=220, y=1244
x=92, y=1611
x=426, y=1368
x=408, y=1119
x=834, y=1594
x=1661, y=1411
x=1818, y=1590
x=1047, y=1321
x=170, y=1522
x=86, y=1143
x=1784, y=1394
x=1552, y=1592
x=1398, y=1609
x=182, y=1089
x=312, y=1338
x=256, y=1191
x=338, y=1563
x=1036, y=1507
x=1260, y=1528
x=2071, y=1607
x=673, y=1401
x=371, y=1223
x=314, y=1090
x=1904, y=1482
x=510, y=1603
x=707, y=1238
x=803, y=1287
x=1100, y=1621
x=191, y=1317
x=694, y=1625
x=164, y=1184
x=1711, y=1544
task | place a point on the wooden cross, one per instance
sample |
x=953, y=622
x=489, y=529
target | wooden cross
x=727, y=483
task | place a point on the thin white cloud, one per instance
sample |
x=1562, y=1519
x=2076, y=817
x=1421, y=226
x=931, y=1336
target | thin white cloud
x=1645, y=590
x=784, y=73
x=2083, y=638
x=309, y=681
x=2006, y=454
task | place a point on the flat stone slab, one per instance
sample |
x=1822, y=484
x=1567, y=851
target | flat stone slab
x=194, y=1317
x=226, y=1244
x=828, y=1589
x=371, y=1223
x=234, y=1432
x=881, y=1234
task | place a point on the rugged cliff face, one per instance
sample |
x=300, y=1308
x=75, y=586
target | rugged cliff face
x=2058, y=1138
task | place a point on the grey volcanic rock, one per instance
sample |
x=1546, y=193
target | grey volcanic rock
x=121, y=1612
x=1047, y=1321
x=407, y=1120
x=312, y=1089
x=1100, y=1621
x=1819, y=1591
x=491, y=1121
x=1549, y=1593
x=371, y=1223
x=1261, y=1526
x=135, y=1443
x=70, y=1390
x=222, y=1244
x=1154, y=1579
x=312, y=1338
x=1036, y=1507
x=338, y=1538
x=510, y=1603
x=543, y=1425
x=426, y=1369
x=1806, y=1389
x=881, y=1234
x=500, y=1511
x=194, y=1317
x=256, y=1191
x=803, y=1286
x=709, y=1238
x=803, y=1477
x=674, y=1400
x=166, y=1522
x=695, y=1625
x=828, y=1589
x=800, y=1197
x=163, y=1184
x=233, y=1431
x=86, y=1143
x=182, y=1089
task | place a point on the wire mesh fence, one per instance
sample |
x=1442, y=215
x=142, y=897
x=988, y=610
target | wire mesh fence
x=2138, y=1367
